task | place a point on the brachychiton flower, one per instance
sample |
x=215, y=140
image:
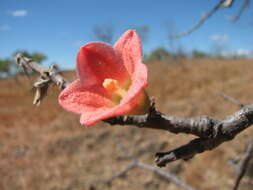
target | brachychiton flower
x=111, y=81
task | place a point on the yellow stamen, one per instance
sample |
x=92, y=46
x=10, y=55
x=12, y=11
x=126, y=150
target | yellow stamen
x=112, y=86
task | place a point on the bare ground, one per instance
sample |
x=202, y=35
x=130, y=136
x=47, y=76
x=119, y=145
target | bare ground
x=45, y=147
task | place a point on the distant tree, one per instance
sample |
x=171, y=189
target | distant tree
x=180, y=53
x=159, y=54
x=237, y=57
x=9, y=67
x=35, y=56
x=198, y=54
x=104, y=32
x=171, y=28
x=217, y=49
x=5, y=65
x=175, y=45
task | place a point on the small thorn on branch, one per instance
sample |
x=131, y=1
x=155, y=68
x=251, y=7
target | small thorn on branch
x=230, y=99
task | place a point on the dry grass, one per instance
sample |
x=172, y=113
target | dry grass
x=46, y=148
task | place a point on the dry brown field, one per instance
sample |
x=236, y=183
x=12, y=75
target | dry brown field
x=45, y=147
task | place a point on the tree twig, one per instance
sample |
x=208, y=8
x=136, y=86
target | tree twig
x=168, y=176
x=203, y=19
x=244, y=165
x=47, y=76
x=121, y=173
x=227, y=3
x=230, y=99
x=241, y=10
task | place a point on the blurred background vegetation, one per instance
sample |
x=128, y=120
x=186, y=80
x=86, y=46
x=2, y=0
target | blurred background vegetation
x=8, y=66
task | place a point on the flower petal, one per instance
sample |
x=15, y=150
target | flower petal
x=78, y=99
x=97, y=61
x=130, y=49
x=92, y=116
x=139, y=82
x=128, y=104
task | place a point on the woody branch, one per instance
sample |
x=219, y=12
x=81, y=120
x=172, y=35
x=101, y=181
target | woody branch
x=211, y=132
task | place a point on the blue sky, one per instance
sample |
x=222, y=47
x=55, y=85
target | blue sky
x=58, y=27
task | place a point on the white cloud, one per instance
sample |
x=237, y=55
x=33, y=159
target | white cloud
x=18, y=13
x=239, y=53
x=243, y=52
x=4, y=27
x=219, y=37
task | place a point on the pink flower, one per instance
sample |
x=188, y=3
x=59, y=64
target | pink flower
x=111, y=81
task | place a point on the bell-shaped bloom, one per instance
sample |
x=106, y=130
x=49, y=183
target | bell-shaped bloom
x=111, y=81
